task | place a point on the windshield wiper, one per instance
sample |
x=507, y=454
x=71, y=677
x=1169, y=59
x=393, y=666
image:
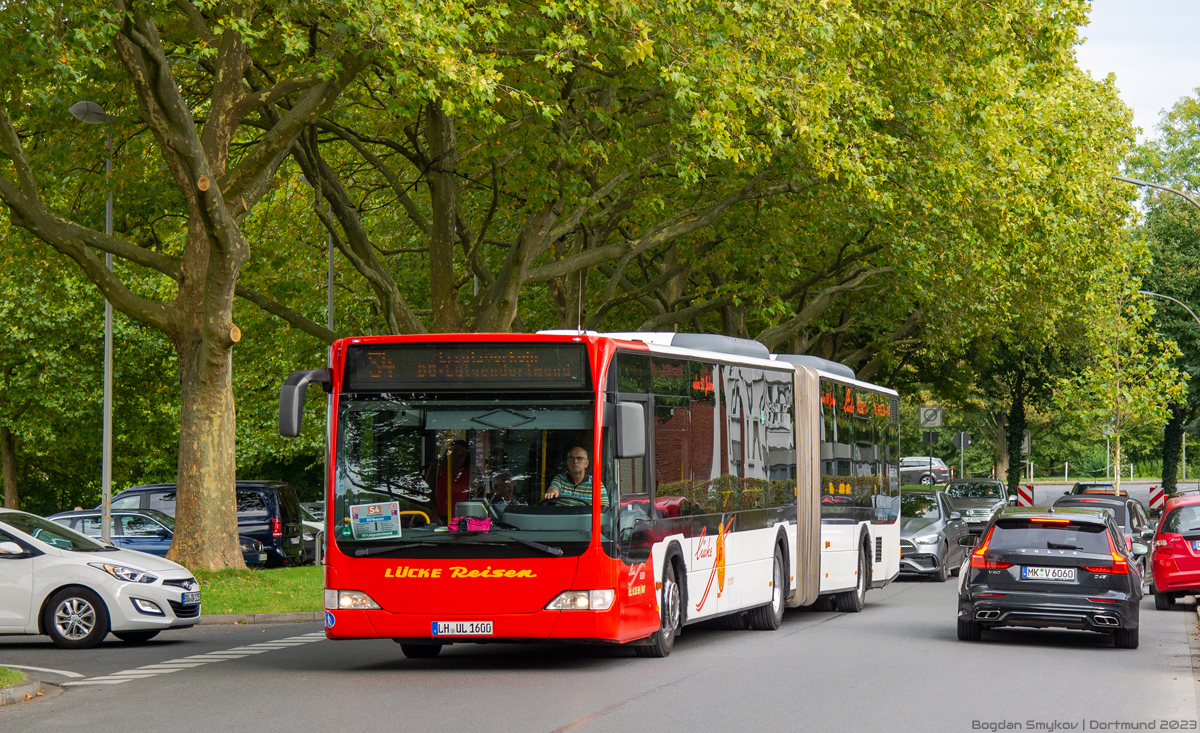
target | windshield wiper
x=548, y=549
x=1057, y=546
x=365, y=551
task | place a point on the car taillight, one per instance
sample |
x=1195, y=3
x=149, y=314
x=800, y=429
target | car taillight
x=1119, y=566
x=1162, y=543
x=979, y=561
x=276, y=527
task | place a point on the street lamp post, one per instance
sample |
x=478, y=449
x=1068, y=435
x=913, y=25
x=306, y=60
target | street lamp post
x=1194, y=318
x=93, y=114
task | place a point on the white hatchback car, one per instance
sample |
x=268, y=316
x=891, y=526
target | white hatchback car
x=76, y=590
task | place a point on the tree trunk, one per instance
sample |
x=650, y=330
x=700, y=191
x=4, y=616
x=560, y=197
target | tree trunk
x=206, y=502
x=8, y=461
x=1000, y=445
x=1172, y=446
x=1016, y=435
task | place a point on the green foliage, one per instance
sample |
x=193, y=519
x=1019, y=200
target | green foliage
x=272, y=590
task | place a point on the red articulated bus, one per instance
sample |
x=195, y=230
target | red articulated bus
x=594, y=487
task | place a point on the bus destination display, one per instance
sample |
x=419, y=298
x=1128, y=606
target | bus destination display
x=385, y=367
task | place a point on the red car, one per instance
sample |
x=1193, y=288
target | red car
x=1175, y=557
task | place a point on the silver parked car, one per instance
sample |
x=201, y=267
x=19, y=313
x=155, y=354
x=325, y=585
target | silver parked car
x=978, y=499
x=929, y=535
x=923, y=470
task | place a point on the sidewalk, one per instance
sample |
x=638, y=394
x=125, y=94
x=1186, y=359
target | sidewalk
x=30, y=689
x=263, y=618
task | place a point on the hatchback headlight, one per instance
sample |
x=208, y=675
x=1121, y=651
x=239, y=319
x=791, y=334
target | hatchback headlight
x=128, y=574
x=928, y=539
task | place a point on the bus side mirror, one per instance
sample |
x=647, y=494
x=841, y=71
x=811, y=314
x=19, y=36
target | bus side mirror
x=291, y=398
x=631, y=429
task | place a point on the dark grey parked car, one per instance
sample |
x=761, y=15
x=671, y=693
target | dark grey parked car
x=923, y=470
x=978, y=499
x=1041, y=567
x=929, y=535
x=267, y=511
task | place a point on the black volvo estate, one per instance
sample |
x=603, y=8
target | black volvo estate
x=1047, y=567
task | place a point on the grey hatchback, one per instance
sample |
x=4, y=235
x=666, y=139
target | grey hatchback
x=1044, y=567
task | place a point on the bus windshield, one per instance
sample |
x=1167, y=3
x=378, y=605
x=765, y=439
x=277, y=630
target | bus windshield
x=464, y=477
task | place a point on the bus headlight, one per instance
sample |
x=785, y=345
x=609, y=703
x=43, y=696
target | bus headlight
x=356, y=600
x=583, y=600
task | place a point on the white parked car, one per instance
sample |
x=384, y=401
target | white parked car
x=75, y=589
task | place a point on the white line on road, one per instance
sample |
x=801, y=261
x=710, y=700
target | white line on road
x=63, y=672
x=176, y=665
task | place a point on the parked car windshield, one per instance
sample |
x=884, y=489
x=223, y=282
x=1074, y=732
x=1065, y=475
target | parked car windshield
x=1182, y=519
x=972, y=490
x=1018, y=534
x=919, y=505
x=51, y=533
x=1116, y=512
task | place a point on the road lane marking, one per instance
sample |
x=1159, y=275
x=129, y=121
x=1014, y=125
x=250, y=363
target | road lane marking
x=63, y=672
x=195, y=660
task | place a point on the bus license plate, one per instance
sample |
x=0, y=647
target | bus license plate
x=190, y=599
x=1062, y=575
x=462, y=628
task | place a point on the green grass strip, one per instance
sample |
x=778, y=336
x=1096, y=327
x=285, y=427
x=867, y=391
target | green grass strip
x=10, y=677
x=276, y=590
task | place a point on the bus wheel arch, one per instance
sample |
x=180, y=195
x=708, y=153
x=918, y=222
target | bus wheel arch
x=852, y=601
x=672, y=607
x=769, y=617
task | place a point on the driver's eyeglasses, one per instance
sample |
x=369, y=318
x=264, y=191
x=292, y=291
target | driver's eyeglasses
x=576, y=458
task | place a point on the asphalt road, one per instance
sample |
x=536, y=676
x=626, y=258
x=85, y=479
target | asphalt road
x=895, y=666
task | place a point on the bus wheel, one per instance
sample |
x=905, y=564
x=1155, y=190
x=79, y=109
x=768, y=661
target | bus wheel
x=420, y=651
x=770, y=616
x=663, y=640
x=852, y=601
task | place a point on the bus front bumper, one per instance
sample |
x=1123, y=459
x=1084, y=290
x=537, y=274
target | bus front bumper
x=506, y=627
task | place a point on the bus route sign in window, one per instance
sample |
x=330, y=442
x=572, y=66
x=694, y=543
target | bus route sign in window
x=402, y=367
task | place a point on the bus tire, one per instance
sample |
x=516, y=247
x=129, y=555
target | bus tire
x=852, y=601
x=663, y=640
x=420, y=651
x=770, y=616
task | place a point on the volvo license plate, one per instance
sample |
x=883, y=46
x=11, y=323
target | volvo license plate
x=191, y=599
x=1060, y=575
x=462, y=628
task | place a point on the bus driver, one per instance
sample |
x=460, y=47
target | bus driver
x=576, y=483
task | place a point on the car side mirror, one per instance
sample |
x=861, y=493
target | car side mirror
x=967, y=540
x=955, y=515
x=1012, y=501
x=11, y=548
x=1140, y=548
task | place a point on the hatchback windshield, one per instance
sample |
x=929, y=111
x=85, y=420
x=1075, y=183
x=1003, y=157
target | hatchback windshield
x=1182, y=519
x=479, y=477
x=51, y=533
x=1021, y=534
x=919, y=505
x=970, y=490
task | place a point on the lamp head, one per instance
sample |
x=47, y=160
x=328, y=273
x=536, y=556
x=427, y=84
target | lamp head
x=90, y=112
